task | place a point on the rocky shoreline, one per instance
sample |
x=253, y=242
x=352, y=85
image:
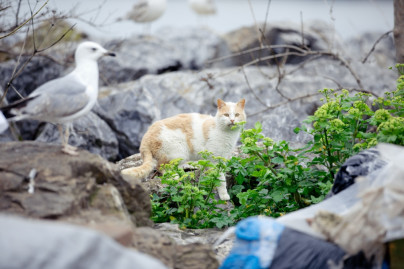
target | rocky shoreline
x=156, y=77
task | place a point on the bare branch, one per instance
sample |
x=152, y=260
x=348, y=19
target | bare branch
x=25, y=22
x=284, y=103
x=59, y=39
x=303, y=53
x=291, y=101
x=251, y=89
x=375, y=44
x=17, y=13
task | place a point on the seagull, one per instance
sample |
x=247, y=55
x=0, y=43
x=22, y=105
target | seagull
x=203, y=7
x=146, y=11
x=62, y=100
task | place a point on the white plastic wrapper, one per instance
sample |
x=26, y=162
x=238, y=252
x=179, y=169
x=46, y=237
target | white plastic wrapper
x=363, y=216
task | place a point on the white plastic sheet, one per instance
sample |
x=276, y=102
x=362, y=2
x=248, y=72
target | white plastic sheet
x=363, y=216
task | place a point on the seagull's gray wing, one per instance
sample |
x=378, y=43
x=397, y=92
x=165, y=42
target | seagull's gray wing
x=57, y=99
x=138, y=10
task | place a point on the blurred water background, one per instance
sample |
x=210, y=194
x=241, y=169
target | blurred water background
x=349, y=17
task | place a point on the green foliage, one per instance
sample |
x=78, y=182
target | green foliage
x=271, y=178
x=188, y=198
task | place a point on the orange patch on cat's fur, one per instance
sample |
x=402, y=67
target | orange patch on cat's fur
x=208, y=125
x=184, y=123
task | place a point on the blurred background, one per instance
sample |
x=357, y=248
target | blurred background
x=349, y=17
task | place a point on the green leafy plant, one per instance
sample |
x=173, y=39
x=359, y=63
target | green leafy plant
x=271, y=178
x=188, y=198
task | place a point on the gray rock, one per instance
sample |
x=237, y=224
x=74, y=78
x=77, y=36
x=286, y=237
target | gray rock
x=383, y=54
x=38, y=71
x=88, y=132
x=170, y=50
x=316, y=36
x=67, y=187
x=128, y=110
x=196, y=46
x=197, y=252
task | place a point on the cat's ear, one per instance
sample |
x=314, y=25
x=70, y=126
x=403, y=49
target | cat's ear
x=241, y=103
x=220, y=103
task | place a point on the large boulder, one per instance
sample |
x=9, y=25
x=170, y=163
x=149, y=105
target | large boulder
x=195, y=253
x=169, y=50
x=40, y=181
x=381, y=54
x=128, y=114
x=36, y=72
x=251, y=43
x=88, y=132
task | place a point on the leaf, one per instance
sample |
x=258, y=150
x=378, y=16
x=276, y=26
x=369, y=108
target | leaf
x=277, y=196
x=277, y=160
x=263, y=192
x=240, y=179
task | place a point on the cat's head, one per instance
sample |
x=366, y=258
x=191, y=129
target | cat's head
x=228, y=113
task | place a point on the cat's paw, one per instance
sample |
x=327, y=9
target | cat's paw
x=224, y=196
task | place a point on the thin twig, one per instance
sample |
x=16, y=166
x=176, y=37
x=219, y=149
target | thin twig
x=375, y=44
x=17, y=13
x=256, y=49
x=255, y=20
x=59, y=39
x=284, y=103
x=292, y=100
x=308, y=53
x=251, y=89
x=25, y=22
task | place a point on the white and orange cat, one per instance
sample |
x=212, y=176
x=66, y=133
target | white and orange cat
x=185, y=135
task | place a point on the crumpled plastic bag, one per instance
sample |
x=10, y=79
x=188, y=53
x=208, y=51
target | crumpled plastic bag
x=363, y=216
x=377, y=217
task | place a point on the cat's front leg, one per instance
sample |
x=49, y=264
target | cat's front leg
x=222, y=189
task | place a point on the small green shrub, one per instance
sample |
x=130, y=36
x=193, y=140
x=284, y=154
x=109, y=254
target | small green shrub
x=188, y=197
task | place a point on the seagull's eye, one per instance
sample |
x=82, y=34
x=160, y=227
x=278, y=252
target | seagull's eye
x=93, y=49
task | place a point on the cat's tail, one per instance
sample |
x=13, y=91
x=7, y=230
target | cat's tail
x=142, y=171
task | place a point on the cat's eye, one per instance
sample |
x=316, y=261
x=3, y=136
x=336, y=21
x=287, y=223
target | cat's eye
x=226, y=114
x=237, y=114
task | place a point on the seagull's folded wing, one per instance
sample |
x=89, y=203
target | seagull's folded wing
x=57, y=99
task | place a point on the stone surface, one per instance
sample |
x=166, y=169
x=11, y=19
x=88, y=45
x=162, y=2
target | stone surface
x=316, y=36
x=170, y=49
x=198, y=236
x=65, y=186
x=89, y=132
x=128, y=110
x=38, y=71
x=196, y=253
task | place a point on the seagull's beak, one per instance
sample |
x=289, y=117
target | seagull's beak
x=109, y=53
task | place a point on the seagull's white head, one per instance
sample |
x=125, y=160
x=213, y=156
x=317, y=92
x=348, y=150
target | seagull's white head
x=91, y=51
